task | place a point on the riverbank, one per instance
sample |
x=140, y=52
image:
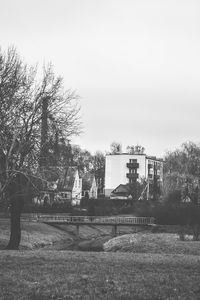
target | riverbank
x=59, y=237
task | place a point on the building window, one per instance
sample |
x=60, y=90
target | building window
x=132, y=160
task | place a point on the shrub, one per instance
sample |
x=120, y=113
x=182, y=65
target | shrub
x=54, y=208
x=174, y=197
x=169, y=213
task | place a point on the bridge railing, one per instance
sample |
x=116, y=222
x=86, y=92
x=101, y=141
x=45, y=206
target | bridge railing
x=97, y=220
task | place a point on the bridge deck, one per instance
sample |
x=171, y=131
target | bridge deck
x=93, y=220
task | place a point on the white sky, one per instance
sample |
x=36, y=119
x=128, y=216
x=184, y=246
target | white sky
x=135, y=64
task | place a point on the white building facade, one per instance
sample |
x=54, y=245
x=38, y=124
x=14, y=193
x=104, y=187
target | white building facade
x=125, y=168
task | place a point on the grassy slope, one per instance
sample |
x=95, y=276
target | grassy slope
x=85, y=275
x=163, y=243
x=33, y=235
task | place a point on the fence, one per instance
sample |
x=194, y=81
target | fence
x=96, y=220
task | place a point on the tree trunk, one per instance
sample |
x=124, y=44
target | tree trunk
x=44, y=133
x=196, y=232
x=15, y=227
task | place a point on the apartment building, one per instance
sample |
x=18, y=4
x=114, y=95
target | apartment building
x=126, y=168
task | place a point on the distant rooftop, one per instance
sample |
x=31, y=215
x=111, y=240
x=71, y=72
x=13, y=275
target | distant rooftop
x=125, y=153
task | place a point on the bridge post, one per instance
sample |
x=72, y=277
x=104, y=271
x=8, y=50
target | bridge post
x=114, y=230
x=77, y=230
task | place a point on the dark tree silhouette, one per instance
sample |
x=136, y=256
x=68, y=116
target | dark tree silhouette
x=21, y=114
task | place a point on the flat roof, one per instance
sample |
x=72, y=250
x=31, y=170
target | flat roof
x=125, y=154
x=142, y=154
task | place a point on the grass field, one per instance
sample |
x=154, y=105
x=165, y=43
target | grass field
x=155, y=266
x=66, y=275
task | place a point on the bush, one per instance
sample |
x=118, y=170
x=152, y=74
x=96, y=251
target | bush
x=169, y=213
x=173, y=197
x=106, y=206
x=143, y=208
x=54, y=208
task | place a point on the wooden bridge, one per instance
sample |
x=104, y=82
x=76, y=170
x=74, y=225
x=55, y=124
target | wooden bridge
x=98, y=221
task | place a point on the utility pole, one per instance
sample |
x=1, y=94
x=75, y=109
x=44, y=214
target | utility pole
x=147, y=188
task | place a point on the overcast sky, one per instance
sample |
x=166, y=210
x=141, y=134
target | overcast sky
x=135, y=64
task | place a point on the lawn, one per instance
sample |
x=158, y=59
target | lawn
x=88, y=275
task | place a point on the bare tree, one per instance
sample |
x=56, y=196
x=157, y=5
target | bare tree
x=116, y=148
x=135, y=149
x=99, y=170
x=21, y=103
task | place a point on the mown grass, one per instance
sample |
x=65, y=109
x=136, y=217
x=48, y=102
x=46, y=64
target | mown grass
x=87, y=275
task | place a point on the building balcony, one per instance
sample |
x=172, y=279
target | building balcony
x=132, y=175
x=133, y=165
